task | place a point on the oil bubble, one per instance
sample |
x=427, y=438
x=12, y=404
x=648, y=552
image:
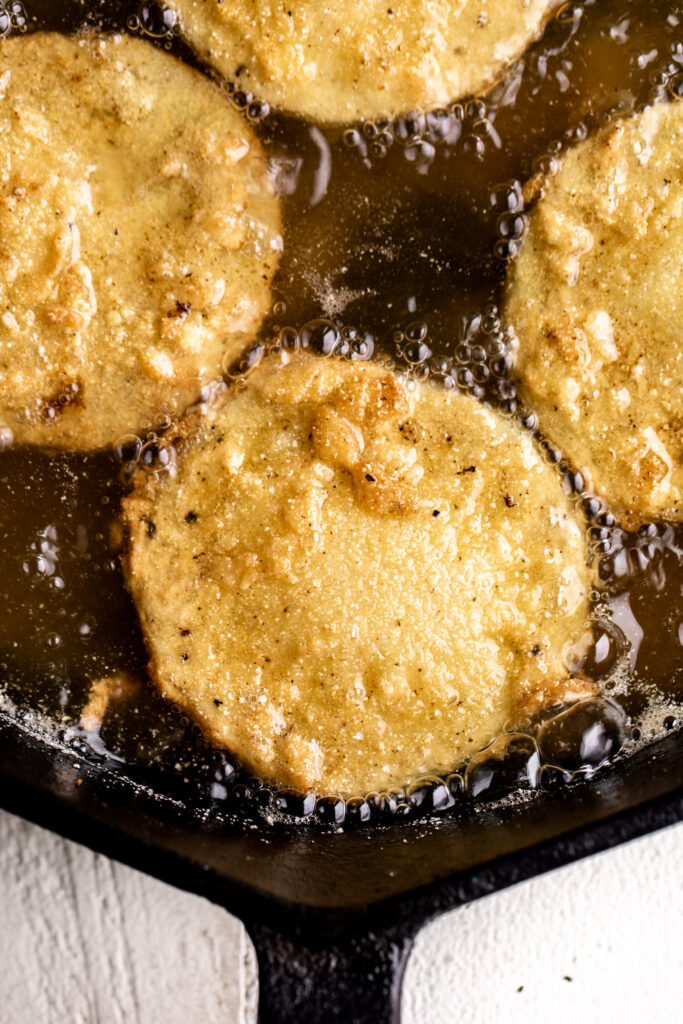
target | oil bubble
x=416, y=122
x=439, y=366
x=257, y=110
x=416, y=352
x=675, y=86
x=419, y=133
x=12, y=16
x=471, y=145
x=512, y=225
x=510, y=763
x=243, y=366
x=156, y=456
x=85, y=630
x=382, y=806
x=321, y=336
x=416, y=331
x=403, y=131
x=42, y=561
x=438, y=125
x=490, y=323
x=362, y=347
x=421, y=154
x=288, y=339
x=585, y=736
x=262, y=795
x=591, y=507
x=358, y=811
x=506, y=249
x=156, y=20
x=294, y=804
x=331, y=810
x=127, y=449
x=456, y=784
x=351, y=138
x=570, y=13
x=429, y=794
x=484, y=129
x=547, y=164
x=606, y=649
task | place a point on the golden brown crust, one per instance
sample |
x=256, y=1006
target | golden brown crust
x=596, y=299
x=345, y=635
x=341, y=61
x=140, y=235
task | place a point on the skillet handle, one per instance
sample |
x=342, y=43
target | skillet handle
x=319, y=979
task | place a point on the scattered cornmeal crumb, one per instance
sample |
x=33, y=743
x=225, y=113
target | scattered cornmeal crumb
x=102, y=692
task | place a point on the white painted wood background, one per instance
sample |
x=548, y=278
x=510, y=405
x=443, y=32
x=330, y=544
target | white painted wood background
x=86, y=941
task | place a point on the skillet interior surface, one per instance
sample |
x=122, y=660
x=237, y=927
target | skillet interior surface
x=333, y=916
x=304, y=882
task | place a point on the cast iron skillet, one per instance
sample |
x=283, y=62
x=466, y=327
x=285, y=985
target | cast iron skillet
x=332, y=914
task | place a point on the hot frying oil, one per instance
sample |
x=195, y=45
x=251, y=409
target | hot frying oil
x=398, y=234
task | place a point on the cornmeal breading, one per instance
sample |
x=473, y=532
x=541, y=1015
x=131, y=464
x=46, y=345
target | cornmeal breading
x=138, y=237
x=342, y=60
x=596, y=299
x=348, y=582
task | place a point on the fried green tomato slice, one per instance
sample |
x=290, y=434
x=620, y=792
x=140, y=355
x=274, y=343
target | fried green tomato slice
x=349, y=582
x=139, y=234
x=343, y=60
x=596, y=300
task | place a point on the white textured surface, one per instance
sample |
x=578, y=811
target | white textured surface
x=84, y=940
x=87, y=941
x=601, y=940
